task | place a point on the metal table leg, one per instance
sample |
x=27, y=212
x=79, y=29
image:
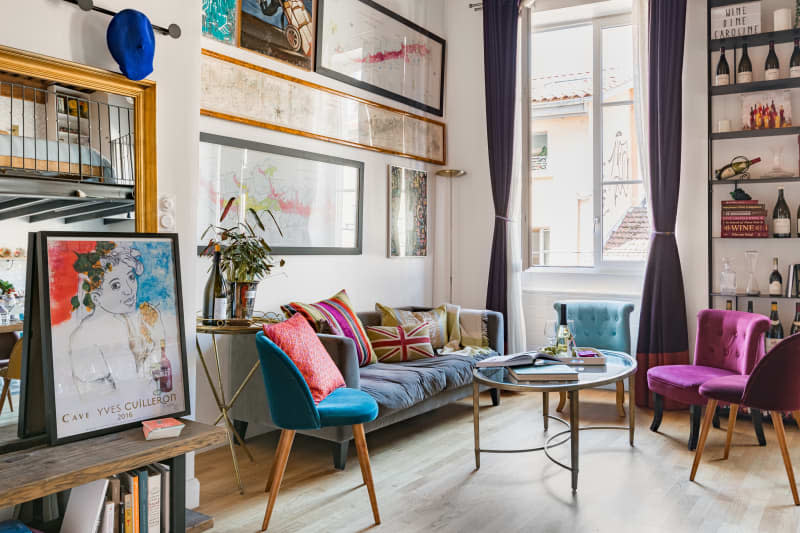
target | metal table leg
x=574, y=427
x=239, y=390
x=476, y=422
x=632, y=405
x=545, y=409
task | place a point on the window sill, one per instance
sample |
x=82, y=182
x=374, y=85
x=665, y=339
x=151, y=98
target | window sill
x=632, y=269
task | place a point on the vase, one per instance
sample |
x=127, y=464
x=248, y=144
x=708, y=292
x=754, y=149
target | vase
x=241, y=297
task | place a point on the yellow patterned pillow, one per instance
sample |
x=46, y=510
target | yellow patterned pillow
x=436, y=319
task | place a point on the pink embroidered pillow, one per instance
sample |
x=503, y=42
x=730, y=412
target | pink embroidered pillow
x=299, y=341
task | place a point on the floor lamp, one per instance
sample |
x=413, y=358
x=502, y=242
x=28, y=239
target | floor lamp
x=451, y=173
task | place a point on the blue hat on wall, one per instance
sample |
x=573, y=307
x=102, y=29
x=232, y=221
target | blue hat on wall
x=132, y=43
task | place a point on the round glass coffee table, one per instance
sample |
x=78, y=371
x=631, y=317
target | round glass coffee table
x=618, y=367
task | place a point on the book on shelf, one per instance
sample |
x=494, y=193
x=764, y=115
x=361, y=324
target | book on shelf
x=162, y=428
x=153, y=500
x=543, y=372
x=126, y=516
x=85, y=507
x=130, y=480
x=584, y=357
x=143, y=500
x=164, y=470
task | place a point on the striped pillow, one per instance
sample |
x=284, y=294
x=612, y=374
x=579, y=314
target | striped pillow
x=337, y=312
x=395, y=344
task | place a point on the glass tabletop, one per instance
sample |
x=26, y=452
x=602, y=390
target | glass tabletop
x=618, y=366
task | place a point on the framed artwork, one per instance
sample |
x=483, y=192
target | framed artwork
x=113, y=346
x=231, y=89
x=408, y=212
x=363, y=43
x=766, y=110
x=317, y=200
x=280, y=29
x=220, y=19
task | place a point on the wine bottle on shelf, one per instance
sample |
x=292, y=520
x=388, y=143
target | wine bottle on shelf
x=735, y=168
x=771, y=65
x=775, y=331
x=744, y=74
x=781, y=218
x=563, y=335
x=215, y=296
x=775, y=280
x=749, y=306
x=723, y=70
x=794, y=63
x=796, y=321
x=729, y=305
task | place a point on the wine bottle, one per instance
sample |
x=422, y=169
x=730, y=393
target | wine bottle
x=796, y=321
x=165, y=371
x=781, y=218
x=775, y=280
x=794, y=63
x=775, y=331
x=735, y=168
x=723, y=71
x=729, y=305
x=749, y=306
x=744, y=74
x=563, y=335
x=771, y=66
x=215, y=296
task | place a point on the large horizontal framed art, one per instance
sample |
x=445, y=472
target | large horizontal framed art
x=317, y=200
x=113, y=341
x=231, y=89
x=408, y=212
x=280, y=29
x=363, y=43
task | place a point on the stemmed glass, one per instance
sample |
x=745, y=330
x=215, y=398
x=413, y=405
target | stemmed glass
x=550, y=332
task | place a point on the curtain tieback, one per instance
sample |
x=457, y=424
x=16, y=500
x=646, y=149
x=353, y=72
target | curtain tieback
x=663, y=233
x=504, y=219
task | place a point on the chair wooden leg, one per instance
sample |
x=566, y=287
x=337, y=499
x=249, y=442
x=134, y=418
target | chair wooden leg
x=658, y=411
x=796, y=416
x=756, y=415
x=710, y=410
x=6, y=392
x=696, y=417
x=777, y=422
x=621, y=398
x=731, y=424
x=366, y=470
x=562, y=401
x=281, y=445
x=281, y=457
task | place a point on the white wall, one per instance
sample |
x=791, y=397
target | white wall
x=370, y=277
x=58, y=29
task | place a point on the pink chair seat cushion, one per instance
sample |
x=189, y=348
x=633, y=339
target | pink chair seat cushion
x=682, y=382
x=726, y=389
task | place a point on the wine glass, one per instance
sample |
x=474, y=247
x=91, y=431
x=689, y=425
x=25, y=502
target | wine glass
x=550, y=332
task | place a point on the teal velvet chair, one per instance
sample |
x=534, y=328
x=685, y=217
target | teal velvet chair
x=293, y=408
x=605, y=325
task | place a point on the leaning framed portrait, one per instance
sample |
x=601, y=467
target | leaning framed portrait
x=408, y=212
x=364, y=44
x=113, y=345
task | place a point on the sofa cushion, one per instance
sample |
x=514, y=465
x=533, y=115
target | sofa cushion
x=436, y=319
x=401, y=385
x=395, y=344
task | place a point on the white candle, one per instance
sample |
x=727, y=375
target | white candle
x=723, y=125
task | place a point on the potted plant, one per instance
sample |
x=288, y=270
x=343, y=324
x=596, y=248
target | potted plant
x=245, y=257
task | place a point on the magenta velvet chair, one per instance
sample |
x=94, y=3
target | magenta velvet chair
x=729, y=343
x=774, y=386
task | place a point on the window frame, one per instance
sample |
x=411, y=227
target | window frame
x=600, y=265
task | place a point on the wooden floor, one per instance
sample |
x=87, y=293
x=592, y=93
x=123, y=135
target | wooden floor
x=426, y=480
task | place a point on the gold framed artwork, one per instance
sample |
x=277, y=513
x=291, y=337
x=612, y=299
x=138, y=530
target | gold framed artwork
x=235, y=90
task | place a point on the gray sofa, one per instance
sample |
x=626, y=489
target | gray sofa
x=402, y=390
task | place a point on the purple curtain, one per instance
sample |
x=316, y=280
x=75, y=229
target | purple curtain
x=500, y=20
x=663, y=335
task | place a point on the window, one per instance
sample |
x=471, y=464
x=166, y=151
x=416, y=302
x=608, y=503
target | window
x=587, y=203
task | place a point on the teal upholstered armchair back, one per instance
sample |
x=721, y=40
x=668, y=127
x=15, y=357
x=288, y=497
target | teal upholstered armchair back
x=290, y=401
x=600, y=324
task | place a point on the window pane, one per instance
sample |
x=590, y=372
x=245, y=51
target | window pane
x=626, y=228
x=562, y=148
x=617, y=64
x=620, y=155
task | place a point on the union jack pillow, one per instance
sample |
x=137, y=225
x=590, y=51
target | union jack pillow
x=395, y=344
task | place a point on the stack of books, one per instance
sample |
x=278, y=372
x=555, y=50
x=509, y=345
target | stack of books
x=131, y=502
x=744, y=218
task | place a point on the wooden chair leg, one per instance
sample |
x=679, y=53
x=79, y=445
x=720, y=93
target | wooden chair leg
x=281, y=457
x=796, y=416
x=562, y=401
x=658, y=411
x=621, y=398
x=731, y=424
x=710, y=410
x=756, y=415
x=777, y=422
x=366, y=470
x=6, y=392
x=272, y=470
x=696, y=417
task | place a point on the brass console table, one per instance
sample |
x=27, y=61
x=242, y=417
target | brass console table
x=218, y=389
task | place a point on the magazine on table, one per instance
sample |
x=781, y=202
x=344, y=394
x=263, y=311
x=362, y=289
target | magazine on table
x=517, y=359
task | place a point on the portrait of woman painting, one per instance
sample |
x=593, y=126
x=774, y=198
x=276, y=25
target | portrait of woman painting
x=116, y=351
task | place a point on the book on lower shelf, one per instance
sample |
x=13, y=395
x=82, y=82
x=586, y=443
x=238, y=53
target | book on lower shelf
x=543, y=372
